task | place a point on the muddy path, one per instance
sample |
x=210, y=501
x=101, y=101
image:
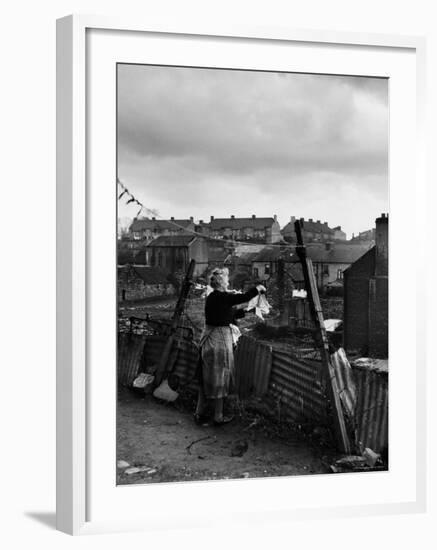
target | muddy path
x=163, y=441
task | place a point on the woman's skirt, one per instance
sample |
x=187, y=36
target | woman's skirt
x=216, y=349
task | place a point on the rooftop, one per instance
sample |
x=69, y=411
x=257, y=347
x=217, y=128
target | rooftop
x=338, y=253
x=310, y=225
x=173, y=240
x=240, y=223
x=141, y=224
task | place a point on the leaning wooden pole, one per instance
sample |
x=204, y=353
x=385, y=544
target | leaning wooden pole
x=339, y=424
x=164, y=364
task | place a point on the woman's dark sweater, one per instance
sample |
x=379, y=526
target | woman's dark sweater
x=219, y=306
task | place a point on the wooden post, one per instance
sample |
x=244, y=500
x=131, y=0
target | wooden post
x=283, y=310
x=322, y=341
x=165, y=365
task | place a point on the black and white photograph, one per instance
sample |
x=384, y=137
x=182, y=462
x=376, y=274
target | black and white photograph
x=252, y=274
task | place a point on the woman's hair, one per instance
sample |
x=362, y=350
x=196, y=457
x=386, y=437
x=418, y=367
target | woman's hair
x=218, y=277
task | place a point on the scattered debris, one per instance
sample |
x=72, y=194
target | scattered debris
x=121, y=464
x=239, y=448
x=245, y=475
x=164, y=392
x=356, y=463
x=139, y=469
x=252, y=424
x=144, y=382
x=188, y=447
x=132, y=470
x=371, y=457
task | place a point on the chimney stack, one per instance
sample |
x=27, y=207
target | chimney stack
x=302, y=220
x=191, y=219
x=253, y=216
x=275, y=217
x=292, y=219
x=381, y=244
x=172, y=218
x=328, y=246
x=232, y=217
x=318, y=221
x=212, y=218
x=154, y=219
x=311, y=220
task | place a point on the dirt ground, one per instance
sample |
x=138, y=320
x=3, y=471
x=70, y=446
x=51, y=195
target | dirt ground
x=163, y=440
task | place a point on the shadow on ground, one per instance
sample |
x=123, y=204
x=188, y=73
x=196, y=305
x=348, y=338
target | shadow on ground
x=45, y=518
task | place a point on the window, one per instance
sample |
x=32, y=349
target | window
x=339, y=274
x=267, y=269
x=255, y=272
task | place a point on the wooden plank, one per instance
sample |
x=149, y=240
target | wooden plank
x=165, y=364
x=321, y=337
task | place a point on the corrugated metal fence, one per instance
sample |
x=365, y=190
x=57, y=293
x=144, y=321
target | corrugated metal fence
x=371, y=414
x=296, y=388
x=288, y=380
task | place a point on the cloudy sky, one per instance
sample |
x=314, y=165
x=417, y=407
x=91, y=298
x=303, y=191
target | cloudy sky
x=202, y=142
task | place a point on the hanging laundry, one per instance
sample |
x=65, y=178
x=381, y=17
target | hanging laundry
x=260, y=304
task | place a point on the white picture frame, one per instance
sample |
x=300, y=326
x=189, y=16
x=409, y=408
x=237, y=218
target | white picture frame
x=75, y=344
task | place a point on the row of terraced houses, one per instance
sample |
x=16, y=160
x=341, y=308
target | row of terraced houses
x=253, y=229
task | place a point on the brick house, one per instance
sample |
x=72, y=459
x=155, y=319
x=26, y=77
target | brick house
x=147, y=229
x=367, y=236
x=175, y=252
x=330, y=261
x=137, y=282
x=312, y=231
x=366, y=298
x=265, y=263
x=258, y=230
x=339, y=234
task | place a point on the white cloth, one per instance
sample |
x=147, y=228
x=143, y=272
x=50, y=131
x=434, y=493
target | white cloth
x=261, y=305
x=236, y=333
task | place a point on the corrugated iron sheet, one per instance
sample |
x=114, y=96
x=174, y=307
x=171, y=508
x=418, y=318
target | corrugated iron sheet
x=129, y=356
x=371, y=417
x=295, y=383
x=184, y=352
x=139, y=352
x=345, y=381
x=253, y=363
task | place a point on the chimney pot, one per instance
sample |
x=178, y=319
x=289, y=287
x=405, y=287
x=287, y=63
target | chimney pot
x=212, y=218
x=200, y=222
x=310, y=220
x=253, y=216
x=302, y=220
x=172, y=218
x=275, y=217
x=232, y=217
x=292, y=219
x=191, y=218
x=318, y=221
x=154, y=219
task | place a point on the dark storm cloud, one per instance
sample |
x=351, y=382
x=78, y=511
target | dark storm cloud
x=181, y=127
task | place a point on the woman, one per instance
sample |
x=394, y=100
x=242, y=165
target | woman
x=216, y=344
